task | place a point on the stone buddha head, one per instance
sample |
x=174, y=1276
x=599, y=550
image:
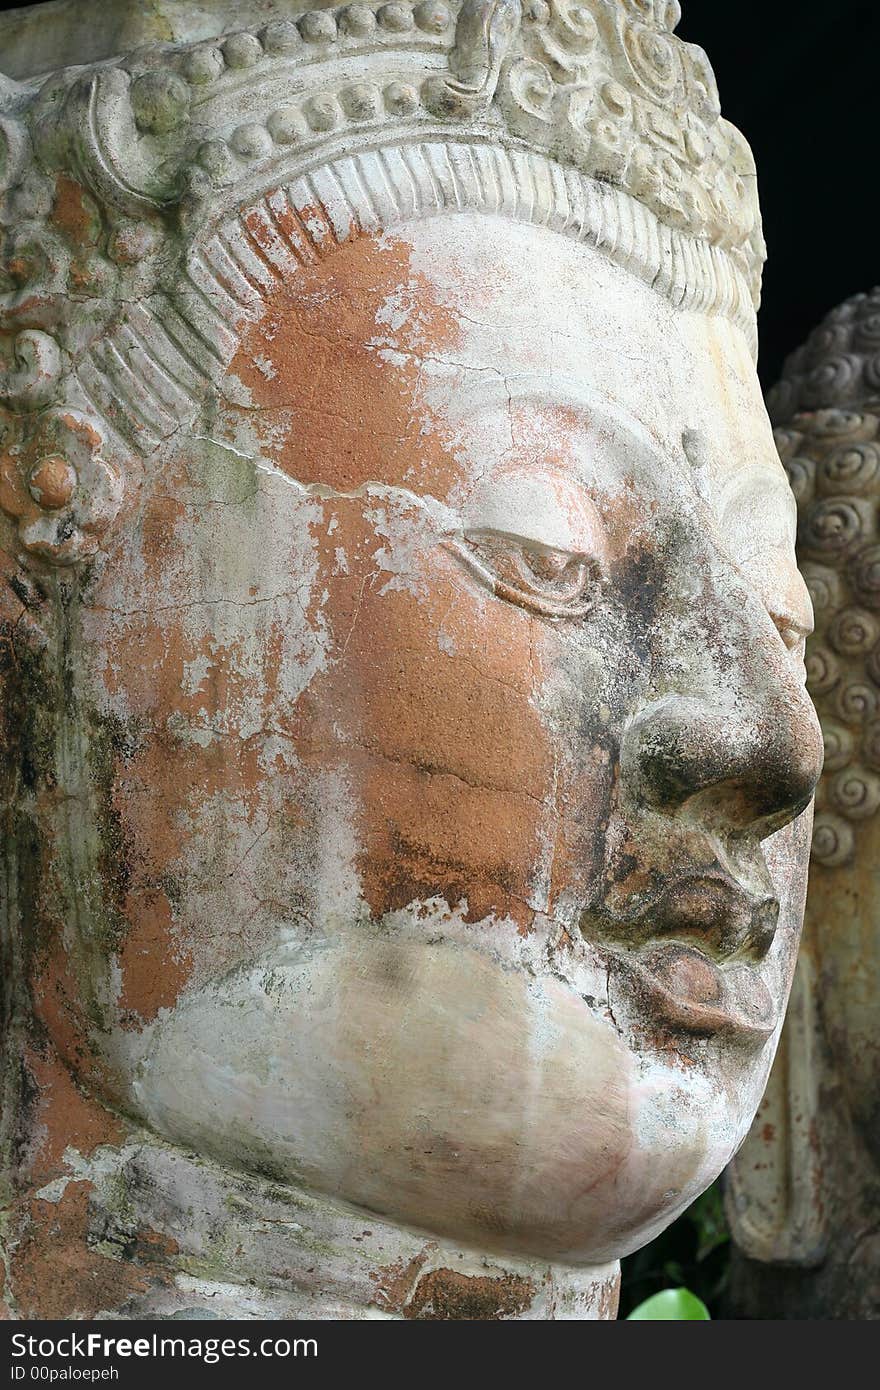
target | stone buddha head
x=408, y=754
x=826, y=410
x=802, y=1193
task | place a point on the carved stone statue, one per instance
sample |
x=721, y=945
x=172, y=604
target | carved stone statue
x=407, y=758
x=804, y=1191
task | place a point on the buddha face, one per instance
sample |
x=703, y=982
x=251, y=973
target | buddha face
x=442, y=754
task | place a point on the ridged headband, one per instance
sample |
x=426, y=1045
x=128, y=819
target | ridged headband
x=166, y=193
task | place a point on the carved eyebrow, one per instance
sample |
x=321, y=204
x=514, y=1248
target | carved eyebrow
x=604, y=416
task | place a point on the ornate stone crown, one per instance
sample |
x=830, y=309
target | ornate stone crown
x=165, y=193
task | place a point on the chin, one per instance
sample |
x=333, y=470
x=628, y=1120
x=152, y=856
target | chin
x=436, y=1087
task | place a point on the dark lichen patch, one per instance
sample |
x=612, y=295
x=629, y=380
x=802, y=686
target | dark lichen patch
x=112, y=742
x=68, y=862
x=31, y=694
x=28, y=690
x=637, y=585
x=20, y=1098
x=18, y=949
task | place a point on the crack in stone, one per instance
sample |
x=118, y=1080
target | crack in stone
x=430, y=770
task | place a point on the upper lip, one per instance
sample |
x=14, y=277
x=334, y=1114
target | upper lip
x=702, y=915
x=720, y=913
x=707, y=908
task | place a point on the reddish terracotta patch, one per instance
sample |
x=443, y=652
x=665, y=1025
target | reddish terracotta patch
x=394, y=1283
x=339, y=406
x=154, y=966
x=447, y=754
x=64, y=1118
x=60, y=1005
x=427, y=836
x=75, y=213
x=54, y=1273
x=446, y=1294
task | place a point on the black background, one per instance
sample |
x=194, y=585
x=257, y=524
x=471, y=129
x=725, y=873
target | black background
x=801, y=79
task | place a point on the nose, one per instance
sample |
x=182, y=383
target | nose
x=737, y=746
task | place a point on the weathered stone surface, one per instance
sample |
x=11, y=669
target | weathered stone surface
x=805, y=1189
x=407, y=756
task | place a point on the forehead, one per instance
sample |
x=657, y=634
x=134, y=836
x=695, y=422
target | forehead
x=489, y=334
x=527, y=300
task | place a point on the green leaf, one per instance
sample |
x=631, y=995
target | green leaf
x=672, y=1305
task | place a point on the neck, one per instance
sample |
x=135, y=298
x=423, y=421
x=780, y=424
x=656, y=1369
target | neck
x=199, y=1240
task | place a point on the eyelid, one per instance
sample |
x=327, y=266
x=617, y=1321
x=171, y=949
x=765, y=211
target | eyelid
x=502, y=563
x=779, y=584
x=489, y=535
x=560, y=514
x=752, y=503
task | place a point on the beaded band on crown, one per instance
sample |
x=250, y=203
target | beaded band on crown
x=167, y=193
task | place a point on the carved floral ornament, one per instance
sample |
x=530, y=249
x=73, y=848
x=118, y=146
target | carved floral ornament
x=59, y=487
x=827, y=412
x=138, y=233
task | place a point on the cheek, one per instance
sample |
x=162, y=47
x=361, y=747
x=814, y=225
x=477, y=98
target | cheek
x=380, y=734
x=433, y=711
x=355, y=723
x=581, y=686
x=192, y=802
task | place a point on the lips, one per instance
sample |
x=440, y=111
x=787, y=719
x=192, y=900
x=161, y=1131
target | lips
x=690, y=954
x=688, y=992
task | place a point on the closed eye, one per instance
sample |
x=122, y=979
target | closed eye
x=554, y=583
x=772, y=573
x=794, y=635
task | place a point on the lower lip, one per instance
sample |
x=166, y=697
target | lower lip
x=686, y=992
